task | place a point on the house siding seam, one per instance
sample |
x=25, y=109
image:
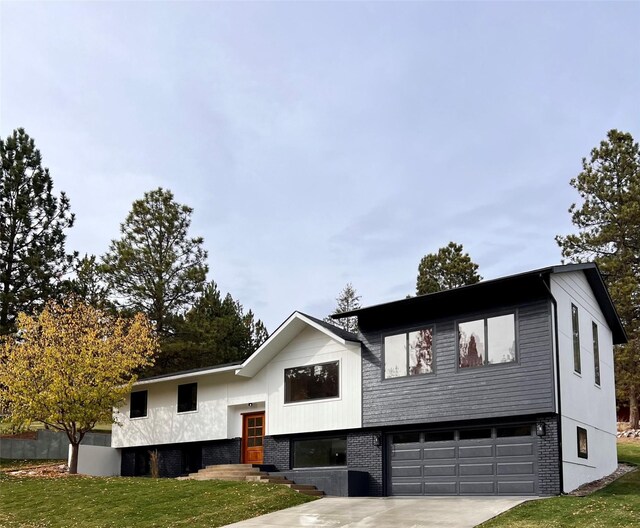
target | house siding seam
x=525, y=387
x=549, y=458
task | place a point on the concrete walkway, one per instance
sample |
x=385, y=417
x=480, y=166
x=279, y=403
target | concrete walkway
x=405, y=512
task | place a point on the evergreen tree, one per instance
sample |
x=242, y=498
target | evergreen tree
x=608, y=223
x=449, y=268
x=89, y=283
x=155, y=267
x=348, y=300
x=214, y=331
x=32, y=231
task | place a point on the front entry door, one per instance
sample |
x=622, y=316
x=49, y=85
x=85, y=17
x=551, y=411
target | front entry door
x=252, y=438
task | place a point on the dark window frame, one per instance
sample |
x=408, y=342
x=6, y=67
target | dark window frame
x=287, y=396
x=596, y=353
x=406, y=333
x=192, y=404
x=582, y=453
x=485, y=319
x=138, y=394
x=295, y=441
x=575, y=333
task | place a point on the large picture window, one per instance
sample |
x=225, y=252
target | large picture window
x=408, y=354
x=320, y=452
x=187, y=397
x=487, y=341
x=138, y=407
x=312, y=382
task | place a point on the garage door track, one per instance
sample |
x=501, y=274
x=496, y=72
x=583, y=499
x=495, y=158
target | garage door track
x=405, y=512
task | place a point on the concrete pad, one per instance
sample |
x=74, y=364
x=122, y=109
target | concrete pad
x=398, y=512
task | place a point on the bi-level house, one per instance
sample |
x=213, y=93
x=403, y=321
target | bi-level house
x=502, y=387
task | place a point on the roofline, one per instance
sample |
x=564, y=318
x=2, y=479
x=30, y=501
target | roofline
x=227, y=367
x=548, y=269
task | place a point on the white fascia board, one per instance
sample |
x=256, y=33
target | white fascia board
x=278, y=340
x=186, y=375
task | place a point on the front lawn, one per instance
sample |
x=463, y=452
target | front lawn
x=93, y=502
x=11, y=464
x=617, y=505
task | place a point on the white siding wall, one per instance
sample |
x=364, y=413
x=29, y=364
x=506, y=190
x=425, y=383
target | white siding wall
x=345, y=412
x=584, y=404
x=223, y=397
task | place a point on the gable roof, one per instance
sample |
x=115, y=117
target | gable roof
x=503, y=290
x=284, y=334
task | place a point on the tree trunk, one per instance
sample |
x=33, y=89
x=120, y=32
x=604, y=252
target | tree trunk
x=73, y=463
x=634, y=417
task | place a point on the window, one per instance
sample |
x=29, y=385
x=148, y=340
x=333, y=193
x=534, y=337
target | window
x=138, y=406
x=408, y=354
x=487, y=341
x=406, y=438
x=314, y=382
x=439, y=436
x=583, y=447
x=320, y=452
x=575, y=325
x=596, y=353
x=187, y=397
x=518, y=430
x=474, y=434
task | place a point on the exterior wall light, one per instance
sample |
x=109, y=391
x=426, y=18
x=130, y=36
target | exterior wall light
x=541, y=429
x=250, y=404
x=377, y=439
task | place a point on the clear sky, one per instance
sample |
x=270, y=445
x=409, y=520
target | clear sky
x=321, y=143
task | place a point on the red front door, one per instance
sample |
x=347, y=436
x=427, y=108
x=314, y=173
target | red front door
x=252, y=438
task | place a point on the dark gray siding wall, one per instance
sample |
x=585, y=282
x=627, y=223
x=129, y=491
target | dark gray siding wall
x=521, y=388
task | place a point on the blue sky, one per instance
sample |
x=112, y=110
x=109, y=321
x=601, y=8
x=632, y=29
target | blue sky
x=321, y=143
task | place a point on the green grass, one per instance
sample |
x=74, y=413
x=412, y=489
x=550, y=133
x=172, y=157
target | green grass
x=11, y=464
x=135, y=502
x=617, y=505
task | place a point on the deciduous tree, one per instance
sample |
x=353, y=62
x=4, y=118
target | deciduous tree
x=32, y=230
x=69, y=366
x=449, y=268
x=156, y=267
x=608, y=224
x=347, y=300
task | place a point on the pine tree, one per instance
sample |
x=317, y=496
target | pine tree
x=449, y=268
x=347, y=300
x=32, y=231
x=608, y=223
x=155, y=267
x=89, y=283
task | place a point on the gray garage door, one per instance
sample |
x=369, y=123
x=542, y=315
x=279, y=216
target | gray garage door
x=480, y=461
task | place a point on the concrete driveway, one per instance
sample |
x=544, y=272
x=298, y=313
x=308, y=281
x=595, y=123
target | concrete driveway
x=405, y=512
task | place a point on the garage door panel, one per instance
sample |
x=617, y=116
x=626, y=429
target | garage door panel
x=477, y=488
x=406, y=454
x=441, y=488
x=516, y=468
x=476, y=469
x=407, y=471
x=444, y=470
x=407, y=488
x=526, y=487
x=475, y=451
x=431, y=453
x=514, y=449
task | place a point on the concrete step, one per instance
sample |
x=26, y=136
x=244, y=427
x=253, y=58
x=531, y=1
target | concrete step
x=231, y=466
x=255, y=473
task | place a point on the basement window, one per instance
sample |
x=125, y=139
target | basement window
x=320, y=452
x=583, y=447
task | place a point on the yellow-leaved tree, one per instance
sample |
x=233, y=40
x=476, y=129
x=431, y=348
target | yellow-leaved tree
x=70, y=366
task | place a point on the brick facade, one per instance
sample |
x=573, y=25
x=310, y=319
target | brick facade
x=221, y=452
x=549, y=458
x=363, y=454
x=277, y=452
